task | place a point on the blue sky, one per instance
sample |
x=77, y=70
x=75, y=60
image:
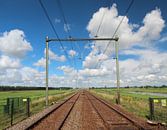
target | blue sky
x=143, y=37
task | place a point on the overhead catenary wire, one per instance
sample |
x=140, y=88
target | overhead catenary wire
x=100, y=23
x=64, y=18
x=66, y=26
x=126, y=12
x=53, y=28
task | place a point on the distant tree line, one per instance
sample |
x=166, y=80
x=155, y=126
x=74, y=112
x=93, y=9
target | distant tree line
x=22, y=88
x=147, y=86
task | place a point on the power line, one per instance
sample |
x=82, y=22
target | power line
x=53, y=28
x=47, y=16
x=66, y=25
x=100, y=24
x=126, y=12
x=65, y=22
x=64, y=18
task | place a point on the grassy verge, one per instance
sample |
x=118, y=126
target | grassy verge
x=38, y=105
x=136, y=103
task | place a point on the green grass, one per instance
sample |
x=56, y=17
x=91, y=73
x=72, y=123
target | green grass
x=37, y=102
x=34, y=94
x=136, y=103
x=152, y=90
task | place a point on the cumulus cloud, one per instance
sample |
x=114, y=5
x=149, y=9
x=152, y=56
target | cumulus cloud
x=130, y=34
x=127, y=36
x=67, y=70
x=144, y=65
x=150, y=66
x=8, y=63
x=53, y=56
x=25, y=76
x=13, y=43
x=151, y=30
x=67, y=27
x=91, y=61
x=163, y=39
x=72, y=53
x=40, y=63
x=93, y=72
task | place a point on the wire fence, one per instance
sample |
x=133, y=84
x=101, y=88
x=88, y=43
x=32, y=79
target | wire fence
x=158, y=109
x=14, y=110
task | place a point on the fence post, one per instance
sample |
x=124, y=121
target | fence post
x=28, y=107
x=12, y=112
x=151, y=105
x=8, y=106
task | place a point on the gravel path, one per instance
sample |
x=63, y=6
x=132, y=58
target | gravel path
x=83, y=117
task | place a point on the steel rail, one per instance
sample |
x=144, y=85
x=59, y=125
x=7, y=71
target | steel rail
x=104, y=122
x=62, y=123
x=38, y=121
x=141, y=127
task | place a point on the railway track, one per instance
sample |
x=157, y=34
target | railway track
x=84, y=111
x=56, y=119
x=113, y=118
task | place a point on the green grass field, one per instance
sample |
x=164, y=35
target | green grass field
x=132, y=102
x=37, y=102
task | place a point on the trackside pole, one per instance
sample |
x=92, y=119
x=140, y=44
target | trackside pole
x=117, y=72
x=46, y=98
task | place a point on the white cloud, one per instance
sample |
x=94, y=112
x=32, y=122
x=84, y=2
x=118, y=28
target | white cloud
x=127, y=36
x=67, y=27
x=25, y=76
x=163, y=39
x=151, y=30
x=72, y=53
x=94, y=72
x=149, y=68
x=147, y=64
x=53, y=56
x=130, y=34
x=67, y=70
x=40, y=63
x=57, y=20
x=143, y=70
x=91, y=61
x=13, y=43
x=9, y=63
x=32, y=76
